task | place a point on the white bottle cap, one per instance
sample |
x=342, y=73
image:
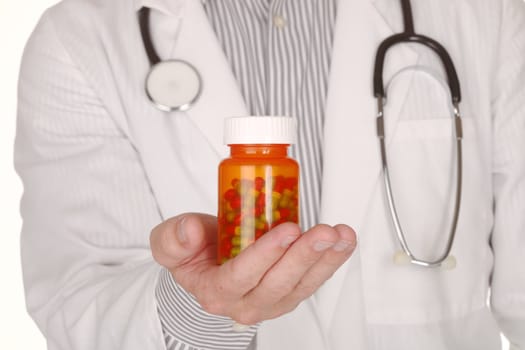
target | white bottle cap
x=260, y=130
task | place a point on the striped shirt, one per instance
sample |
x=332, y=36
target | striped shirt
x=279, y=51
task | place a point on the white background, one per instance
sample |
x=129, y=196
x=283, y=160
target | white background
x=17, y=330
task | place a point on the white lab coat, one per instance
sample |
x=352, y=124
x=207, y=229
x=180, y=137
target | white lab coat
x=101, y=166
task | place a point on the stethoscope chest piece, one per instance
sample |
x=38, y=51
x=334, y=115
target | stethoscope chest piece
x=173, y=85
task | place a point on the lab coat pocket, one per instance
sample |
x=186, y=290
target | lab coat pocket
x=423, y=171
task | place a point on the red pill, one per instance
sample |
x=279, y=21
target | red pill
x=259, y=183
x=229, y=229
x=237, y=219
x=236, y=203
x=261, y=200
x=278, y=185
x=259, y=233
x=284, y=213
x=290, y=182
x=231, y=194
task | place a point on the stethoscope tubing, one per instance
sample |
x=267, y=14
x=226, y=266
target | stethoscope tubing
x=409, y=36
x=390, y=197
x=452, y=76
x=153, y=57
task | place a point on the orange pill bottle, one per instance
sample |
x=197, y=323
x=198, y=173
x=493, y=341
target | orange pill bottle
x=258, y=183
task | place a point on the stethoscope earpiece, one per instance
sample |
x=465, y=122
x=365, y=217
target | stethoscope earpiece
x=449, y=263
x=403, y=259
x=400, y=258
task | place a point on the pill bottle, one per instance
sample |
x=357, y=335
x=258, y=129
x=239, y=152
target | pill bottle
x=258, y=183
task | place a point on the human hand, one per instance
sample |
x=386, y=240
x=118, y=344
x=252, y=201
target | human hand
x=267, y=279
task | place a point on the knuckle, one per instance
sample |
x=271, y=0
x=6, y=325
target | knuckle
x=161, y=256
x=161, y=241
x=169, y=245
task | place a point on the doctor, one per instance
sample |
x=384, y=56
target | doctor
x=109, y=182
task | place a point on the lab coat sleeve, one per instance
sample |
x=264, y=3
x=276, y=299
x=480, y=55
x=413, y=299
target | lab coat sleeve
x=508, y=239
x=87, y=211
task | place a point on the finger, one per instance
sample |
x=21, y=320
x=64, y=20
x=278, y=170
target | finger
x=243, y=273
x=281, y=280
x=179, y=239
x=323, y=269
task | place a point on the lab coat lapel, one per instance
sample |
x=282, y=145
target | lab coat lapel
x=221, y=96
x=155, y=132
x=351, y=150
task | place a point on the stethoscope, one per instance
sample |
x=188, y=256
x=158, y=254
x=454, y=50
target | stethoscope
x=446, y=260
x=175, y=85
x=171, y=85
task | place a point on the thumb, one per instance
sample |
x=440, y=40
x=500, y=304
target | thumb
x=178, y=240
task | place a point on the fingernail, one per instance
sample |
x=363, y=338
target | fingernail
x=341, y=246
x=285, y=243
x=319, y=246
x=181, y=233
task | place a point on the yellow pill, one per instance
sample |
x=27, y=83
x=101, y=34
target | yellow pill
x=230, y=216
x=260, y=224
x=287, y=193
x=284, y=202
x=235, y=251
x=236, y=240
x=276, y=198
